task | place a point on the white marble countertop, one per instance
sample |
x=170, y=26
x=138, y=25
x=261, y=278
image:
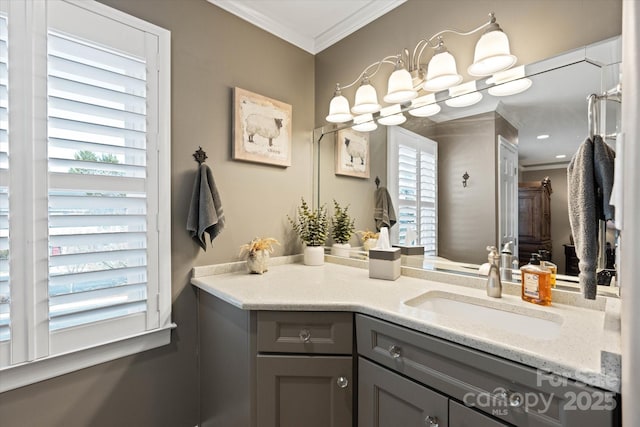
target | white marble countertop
x=586, y=348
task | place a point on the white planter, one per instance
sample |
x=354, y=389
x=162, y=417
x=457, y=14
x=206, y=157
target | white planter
x=369, y=244
x=341, y=249
x=258, y=261
x=314, y=255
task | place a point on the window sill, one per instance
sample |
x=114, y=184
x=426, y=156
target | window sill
x=13, y=377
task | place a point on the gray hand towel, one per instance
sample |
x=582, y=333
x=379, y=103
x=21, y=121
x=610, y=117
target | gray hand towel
x=590, y=180
x=205, y=210
x=383, y=212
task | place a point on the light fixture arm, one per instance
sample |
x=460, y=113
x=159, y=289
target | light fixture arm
x=391, y=60
x=424, y=43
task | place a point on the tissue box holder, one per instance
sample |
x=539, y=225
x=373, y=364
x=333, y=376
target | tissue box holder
x=384, y=263
x=410, y=250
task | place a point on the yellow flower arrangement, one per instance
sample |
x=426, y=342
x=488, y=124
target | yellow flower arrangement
x=366, y=235
x=259, y=244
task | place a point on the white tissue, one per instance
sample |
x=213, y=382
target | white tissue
x=383, y=239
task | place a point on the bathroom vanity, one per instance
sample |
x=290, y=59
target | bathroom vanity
x=327, y=346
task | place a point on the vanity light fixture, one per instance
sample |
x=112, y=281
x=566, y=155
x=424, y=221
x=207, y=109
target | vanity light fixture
x=463, y=95
x=364, y=123
x=424, y=106
x=492, y=54
x=509, y=82
x=392, y=116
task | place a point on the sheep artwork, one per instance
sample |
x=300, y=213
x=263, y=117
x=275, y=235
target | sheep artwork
x=356, y=149
x=264, y=126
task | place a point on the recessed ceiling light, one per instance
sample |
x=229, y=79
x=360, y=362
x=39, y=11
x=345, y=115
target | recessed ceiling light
x=561, y=156
x=543, y=136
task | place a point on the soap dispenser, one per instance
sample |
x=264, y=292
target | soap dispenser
x=494, y=285
x=506, y=260
x=536, y=282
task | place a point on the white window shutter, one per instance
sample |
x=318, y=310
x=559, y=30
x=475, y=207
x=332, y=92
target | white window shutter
x=413, y=185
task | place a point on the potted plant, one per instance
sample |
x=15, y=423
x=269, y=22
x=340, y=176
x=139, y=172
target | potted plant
x=259, y=251
x=369, y=239
x=312, y=226
x=342, y=228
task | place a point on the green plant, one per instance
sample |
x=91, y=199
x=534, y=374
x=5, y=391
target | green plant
x=342, y=225
x=312, y=226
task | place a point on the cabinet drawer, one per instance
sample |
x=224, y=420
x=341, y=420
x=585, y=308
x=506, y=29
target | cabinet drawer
x=512, y=392
x=305, y=332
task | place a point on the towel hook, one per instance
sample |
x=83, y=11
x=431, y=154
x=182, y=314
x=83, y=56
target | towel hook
x=200, y=155
x=377, y=181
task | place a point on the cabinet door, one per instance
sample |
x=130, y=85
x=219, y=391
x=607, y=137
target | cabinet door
x=386, y=399
x=309, y=391
x=462, y=416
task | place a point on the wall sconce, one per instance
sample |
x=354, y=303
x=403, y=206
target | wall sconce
x=465, y=177
x=492, y=54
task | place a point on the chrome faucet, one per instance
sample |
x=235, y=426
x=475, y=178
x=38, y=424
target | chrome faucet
x=494, y=285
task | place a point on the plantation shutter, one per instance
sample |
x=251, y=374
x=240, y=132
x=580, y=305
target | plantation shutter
x=413, y=187
x=102, y=245
x=85, y=261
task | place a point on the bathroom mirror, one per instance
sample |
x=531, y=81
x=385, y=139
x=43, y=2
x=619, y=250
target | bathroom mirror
x=471, y=214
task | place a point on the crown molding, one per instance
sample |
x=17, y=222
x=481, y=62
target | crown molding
x=313, y=45
x=354, y=22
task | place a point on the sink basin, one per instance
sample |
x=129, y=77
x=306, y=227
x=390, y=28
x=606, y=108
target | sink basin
x=488, y=313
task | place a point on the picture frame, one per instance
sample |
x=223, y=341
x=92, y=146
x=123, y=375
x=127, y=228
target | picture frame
x=352, y=153
x=262, y=129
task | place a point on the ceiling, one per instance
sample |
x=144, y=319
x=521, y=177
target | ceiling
x=312, y=25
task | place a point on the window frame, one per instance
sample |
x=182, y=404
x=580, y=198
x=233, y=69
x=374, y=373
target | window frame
x=29, y=344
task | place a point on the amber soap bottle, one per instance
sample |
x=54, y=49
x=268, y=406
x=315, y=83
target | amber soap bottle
x=536, y=282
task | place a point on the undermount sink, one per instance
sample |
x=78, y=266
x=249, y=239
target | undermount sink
x=492, y=314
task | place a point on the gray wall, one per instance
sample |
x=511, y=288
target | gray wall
x=560, y=228
x=537, y=29
x=212, y=51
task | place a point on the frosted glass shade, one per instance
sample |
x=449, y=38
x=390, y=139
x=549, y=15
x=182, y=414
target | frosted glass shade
x=463, y=95
x=442, y=72
x=364, y=123
x=400, y=87
x=366, y=100
x=424, y=106
x=509, y=82
x=492, y=54
x=339, y=110
x=391, y=116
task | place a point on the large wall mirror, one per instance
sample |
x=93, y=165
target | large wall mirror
x=498, y=144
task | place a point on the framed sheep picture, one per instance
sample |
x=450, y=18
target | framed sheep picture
x=262, y=129
x=352, y=153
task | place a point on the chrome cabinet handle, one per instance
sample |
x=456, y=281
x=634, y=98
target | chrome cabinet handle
x=305, y=335
x=342, y=382
x=512, y=398
x=431, y=421
x=394, y=351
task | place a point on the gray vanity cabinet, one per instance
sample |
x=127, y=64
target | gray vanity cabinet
x=507, y=392
x=304, y=369
x=270, y=368
x=386, y=399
